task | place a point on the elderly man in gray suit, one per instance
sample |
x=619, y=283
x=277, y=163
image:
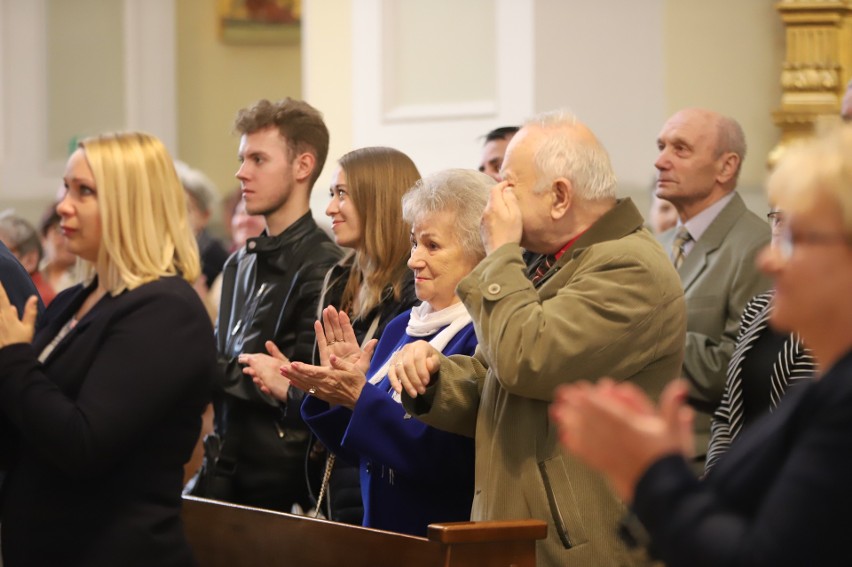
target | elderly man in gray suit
x=713, y=247
x=603, y=301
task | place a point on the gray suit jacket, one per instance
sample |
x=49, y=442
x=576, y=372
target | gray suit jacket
x=719, y=277
x=611, y=306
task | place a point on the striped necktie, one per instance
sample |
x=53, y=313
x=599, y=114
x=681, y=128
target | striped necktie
x=543, y=267
x=678, y=253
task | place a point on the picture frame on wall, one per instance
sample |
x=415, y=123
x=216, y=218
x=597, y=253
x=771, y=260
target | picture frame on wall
x=260, y=22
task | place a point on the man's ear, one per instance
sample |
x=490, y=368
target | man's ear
x=303, y=166
x=562, y=194
x=730, y=163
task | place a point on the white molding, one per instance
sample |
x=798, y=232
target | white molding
x=24, y=168
x=445, y=134
x=26, y=174
x=150, y=69
x=443, y=111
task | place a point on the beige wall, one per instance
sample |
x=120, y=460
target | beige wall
x=328, y=74
x=736, y=72
x=722, y=54
x=215, y=80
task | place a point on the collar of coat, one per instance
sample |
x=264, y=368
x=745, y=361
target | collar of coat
x=293, y=233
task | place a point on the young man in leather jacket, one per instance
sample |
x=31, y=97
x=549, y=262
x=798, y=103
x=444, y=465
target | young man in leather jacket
x=270, y=291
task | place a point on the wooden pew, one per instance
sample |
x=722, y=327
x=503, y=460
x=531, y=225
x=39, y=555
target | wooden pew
x=228, y=535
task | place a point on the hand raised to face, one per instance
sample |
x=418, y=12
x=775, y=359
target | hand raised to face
x=501, y=221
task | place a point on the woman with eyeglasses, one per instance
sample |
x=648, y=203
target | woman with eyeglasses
x=781, y=495
x=764, y=365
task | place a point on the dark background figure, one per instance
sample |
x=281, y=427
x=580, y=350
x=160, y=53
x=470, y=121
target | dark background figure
x=23, y=241
x=19, y=286
x=494, y=150
x=201, y=196
x=59, y=266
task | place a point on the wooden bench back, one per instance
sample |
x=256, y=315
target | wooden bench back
x=228, y=535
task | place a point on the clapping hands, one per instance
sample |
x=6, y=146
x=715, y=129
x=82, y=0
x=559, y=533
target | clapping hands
x=13, y=329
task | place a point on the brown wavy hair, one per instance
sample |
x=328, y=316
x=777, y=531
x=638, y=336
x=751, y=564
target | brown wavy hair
x=377, y=177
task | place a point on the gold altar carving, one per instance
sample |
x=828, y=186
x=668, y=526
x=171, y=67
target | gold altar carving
x=817, y=66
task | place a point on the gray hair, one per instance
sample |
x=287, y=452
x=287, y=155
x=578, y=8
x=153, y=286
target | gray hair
x=460, y=191
x=731, y=138
x=19, y=234
x=580, y=159
x=197, y=185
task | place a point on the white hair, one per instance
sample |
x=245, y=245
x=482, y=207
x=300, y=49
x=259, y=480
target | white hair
x=580, y=159
x=198, y=185
x=463, y=192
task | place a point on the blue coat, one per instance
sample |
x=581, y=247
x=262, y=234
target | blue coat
x=412, y=475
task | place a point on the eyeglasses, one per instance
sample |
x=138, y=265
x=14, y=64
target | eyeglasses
x=775, y=218
x=788, y=240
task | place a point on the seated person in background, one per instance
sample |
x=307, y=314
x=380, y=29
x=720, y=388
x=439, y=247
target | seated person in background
x=412, y=475
x=662, y=215
x=243, y=227
x=19, y=285
x=59, y=266
x=201, y=195
x=229, y=208
x=764, y=365
x=103, y=405
x=494, y=149
x=781, y=495
x=22, y=240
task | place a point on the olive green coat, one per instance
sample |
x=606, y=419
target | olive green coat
x=611, y=306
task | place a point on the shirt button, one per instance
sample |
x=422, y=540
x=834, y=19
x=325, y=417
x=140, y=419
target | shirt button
x=494, y=289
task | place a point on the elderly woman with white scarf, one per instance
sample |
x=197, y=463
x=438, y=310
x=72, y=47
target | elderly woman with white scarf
x=412, y=475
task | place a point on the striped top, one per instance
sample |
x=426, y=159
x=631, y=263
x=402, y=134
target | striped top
x=792, y=365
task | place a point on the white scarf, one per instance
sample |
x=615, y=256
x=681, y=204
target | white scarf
x=423, y=322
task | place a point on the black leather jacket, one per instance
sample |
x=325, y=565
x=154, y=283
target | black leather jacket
x=270, y=290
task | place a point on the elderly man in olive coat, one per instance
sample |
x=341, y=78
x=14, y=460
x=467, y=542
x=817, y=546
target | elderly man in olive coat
x=603, y=300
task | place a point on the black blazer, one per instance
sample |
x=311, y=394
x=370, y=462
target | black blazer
x=780, y=497
x=104, y=427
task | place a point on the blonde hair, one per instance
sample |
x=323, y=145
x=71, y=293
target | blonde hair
x=145, y=231
x=816, y=169
x=377, y=178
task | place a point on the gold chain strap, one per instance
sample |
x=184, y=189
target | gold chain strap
x=329, y=463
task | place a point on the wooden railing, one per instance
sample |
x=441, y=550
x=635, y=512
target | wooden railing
x=227, y=535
